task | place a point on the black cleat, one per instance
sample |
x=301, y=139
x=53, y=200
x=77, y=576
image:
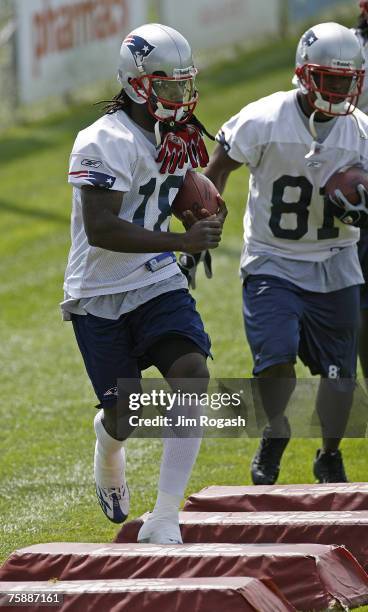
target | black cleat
x=328, y=466
x=265, y=466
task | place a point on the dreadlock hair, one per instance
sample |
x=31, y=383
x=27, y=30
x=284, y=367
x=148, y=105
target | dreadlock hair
x=195, y=121
x=119, y=102
x=122, y=102
x=362, y=26
x=170, y=126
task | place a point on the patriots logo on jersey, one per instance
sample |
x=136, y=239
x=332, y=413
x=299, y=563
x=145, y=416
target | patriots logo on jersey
x=138, y=47
x=98, y=179
x=309, y=38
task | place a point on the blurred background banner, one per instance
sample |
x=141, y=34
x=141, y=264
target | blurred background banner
x=209, y=24
x=63, y=44
x=303, y=10
x=54, y=52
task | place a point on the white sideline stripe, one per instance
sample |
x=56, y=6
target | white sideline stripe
x=194, y=550
x=120, y=586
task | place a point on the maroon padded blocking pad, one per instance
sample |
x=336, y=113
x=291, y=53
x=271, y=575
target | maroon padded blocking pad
x=204, y=594
x=349, y=529
x=312, y=497
x=311, y=576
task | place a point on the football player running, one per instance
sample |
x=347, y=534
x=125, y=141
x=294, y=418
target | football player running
x=299, y=264
x=361, y=32
x=125, y=294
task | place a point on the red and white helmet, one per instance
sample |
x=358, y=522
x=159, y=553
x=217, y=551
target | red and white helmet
x=329, y=68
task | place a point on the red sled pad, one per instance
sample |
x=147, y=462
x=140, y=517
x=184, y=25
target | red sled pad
x=348, y=529
x=202, y=594
x=327, y=576
x=312, y=497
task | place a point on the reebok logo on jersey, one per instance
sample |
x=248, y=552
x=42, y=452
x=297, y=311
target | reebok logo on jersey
x=93, y=163
x=314, y=164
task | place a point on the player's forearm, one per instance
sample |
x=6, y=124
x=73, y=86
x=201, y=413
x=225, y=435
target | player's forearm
x=125, y=237
x=218, y=178
x=219, y=168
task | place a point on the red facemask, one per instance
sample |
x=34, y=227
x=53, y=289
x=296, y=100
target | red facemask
x=162, y=107
x=323, y=97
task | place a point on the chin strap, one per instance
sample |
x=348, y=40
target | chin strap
x=350, y=214
x=158, y=133
x=179, y=142
x=312, y=127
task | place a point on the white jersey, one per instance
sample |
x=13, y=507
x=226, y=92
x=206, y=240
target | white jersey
x=363, y=98
x=285, y=214
x=114, y=153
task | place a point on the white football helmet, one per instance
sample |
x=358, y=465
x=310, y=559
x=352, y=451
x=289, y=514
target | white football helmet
x=329, y=68
x=156, y=67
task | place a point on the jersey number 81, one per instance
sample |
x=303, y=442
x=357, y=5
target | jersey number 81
x=299, y=208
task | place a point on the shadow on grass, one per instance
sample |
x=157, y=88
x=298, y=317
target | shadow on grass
x=46, y=134
x=35, y=213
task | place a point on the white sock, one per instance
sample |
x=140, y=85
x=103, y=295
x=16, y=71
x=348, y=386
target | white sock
x=109, y=462
x=180, y=451
x=178, y=458
x=167, y=506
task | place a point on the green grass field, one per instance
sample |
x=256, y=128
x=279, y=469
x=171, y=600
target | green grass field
x=47, y=406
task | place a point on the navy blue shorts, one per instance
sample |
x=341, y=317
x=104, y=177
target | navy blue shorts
x=119, y=349
x=283, y=321
x=363, y=258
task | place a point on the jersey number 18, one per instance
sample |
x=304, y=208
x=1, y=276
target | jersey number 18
x=147, y=190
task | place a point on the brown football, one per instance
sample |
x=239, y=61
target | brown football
x=196, y=192
x=347, y=180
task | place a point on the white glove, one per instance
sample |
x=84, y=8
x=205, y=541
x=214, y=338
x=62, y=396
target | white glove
x=188, y=264
x=350, y=214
